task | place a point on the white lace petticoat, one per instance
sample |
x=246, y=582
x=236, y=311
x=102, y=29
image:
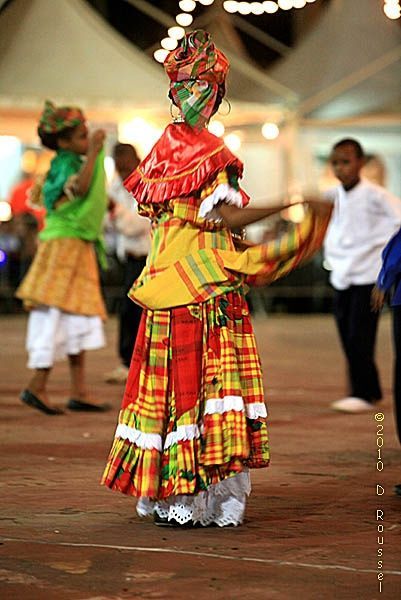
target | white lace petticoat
x=222, y=504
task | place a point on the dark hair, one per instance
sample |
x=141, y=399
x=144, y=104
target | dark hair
x=50, y=140
x=351, y=142
x=124, y=150
x=221, y=92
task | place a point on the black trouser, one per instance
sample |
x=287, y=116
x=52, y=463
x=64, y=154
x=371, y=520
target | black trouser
x=130, y=313
x=357, y=326
x=397, y=367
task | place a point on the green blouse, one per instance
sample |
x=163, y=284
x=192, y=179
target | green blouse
x=62, y=167
x=81, y=217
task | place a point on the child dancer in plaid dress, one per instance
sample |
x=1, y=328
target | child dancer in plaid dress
x=193, y=417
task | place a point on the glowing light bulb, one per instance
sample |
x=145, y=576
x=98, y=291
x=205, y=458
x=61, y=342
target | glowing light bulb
x=169, y=43
x=184, y=19
x=176, y=32
x=5, y=211
x=285, y=4
x=392, y=11
x=233, y=141
x=270, y=131
x=230, y=6
x=187, y=5
x=257, y=8
x=206, y=2
x=244, y=8
x=270, y=7
x=217, y=128
x=160, y=55
x=296, y=213
x=139, y=132
x=299, y=3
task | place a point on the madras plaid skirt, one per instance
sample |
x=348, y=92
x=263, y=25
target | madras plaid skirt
x=64, y=274
x=193, y=412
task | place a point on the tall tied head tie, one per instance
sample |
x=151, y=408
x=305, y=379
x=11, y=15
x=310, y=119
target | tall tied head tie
x=197, y=69
x=55, y=119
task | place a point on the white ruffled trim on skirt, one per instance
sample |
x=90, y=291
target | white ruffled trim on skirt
x=236, y=403
x=222, y=504
x=149, y=441
x=182, y=433
x=223, y=193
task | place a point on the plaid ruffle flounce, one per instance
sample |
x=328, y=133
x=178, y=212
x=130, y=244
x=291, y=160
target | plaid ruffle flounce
x=193, y=413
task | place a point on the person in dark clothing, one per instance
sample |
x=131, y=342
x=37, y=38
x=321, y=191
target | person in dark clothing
x=133, y=243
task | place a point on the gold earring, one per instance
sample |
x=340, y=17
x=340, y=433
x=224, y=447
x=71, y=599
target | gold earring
x=172, y=110
x=177, y=117
x=228, y=108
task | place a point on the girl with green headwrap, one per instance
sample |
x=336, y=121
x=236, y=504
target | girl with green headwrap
x=61, y=289
x=193, y=420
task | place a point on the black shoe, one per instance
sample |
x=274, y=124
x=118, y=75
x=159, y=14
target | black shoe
x=34, y=402
x=165, y=522
x=80, y=405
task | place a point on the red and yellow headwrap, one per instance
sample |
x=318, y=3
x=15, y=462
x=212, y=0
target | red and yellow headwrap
x=196, y=70
x=55, y=119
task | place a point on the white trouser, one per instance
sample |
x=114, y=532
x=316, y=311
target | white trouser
x=53, y=334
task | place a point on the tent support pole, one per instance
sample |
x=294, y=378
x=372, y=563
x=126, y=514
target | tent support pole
x=350, y=81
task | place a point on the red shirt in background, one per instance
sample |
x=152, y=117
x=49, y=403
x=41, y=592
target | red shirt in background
x=19, y=201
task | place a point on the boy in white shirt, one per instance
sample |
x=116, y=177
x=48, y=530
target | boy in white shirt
x=365, y=216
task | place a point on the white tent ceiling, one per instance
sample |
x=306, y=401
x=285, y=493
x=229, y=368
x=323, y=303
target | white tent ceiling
x=349, y=65
x=62, y=50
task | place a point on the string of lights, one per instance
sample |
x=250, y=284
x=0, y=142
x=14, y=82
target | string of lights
x=392, y=9
x=259, y=8
x=184, y=19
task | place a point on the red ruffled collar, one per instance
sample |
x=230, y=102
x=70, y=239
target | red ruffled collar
x=179, y=164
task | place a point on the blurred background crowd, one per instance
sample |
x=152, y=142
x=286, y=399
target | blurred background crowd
x=304, y=74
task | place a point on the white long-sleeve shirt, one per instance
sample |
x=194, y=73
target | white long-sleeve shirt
x=363, y=220
x=133, y=230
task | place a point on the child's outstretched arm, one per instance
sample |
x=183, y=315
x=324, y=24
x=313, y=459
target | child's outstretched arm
x=85, y=175
x=234, y=216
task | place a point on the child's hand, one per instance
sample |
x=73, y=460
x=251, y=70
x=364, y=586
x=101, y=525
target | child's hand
x=376, y=299
x=96, y=141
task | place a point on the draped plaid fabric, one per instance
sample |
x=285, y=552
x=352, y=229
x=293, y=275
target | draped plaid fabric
x=193, y=412
x=55, y=119
x=179, y=435
x=192, y=259
x=196, y=70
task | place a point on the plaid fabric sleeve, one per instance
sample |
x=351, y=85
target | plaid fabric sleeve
x=221, y=179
